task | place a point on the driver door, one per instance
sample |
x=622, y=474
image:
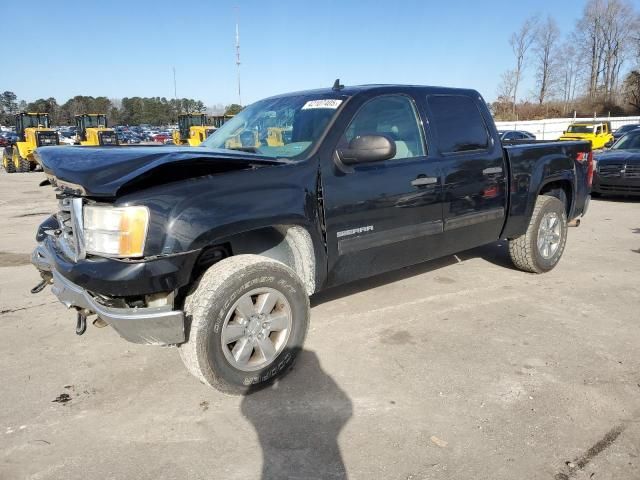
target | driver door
x=382, y=215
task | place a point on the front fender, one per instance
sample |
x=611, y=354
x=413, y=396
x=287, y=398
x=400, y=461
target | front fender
x=25, y=149
x=198, y=212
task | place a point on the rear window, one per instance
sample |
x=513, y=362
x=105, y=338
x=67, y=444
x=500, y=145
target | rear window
x=458, y=124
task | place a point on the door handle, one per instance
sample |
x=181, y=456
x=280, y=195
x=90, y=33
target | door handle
x=489, y=171
x=422, y=181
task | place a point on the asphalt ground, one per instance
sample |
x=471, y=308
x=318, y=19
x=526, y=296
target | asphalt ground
x=461, y=368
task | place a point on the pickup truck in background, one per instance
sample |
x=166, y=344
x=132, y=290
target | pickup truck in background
x=216, y=249
x=597, y=133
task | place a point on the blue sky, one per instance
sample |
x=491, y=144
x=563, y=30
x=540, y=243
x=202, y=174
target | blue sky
x=120, y=49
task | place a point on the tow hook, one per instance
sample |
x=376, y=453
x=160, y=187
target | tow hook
x=81, y=323
x=39, y=287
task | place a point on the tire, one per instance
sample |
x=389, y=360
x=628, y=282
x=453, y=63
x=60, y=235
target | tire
x=20, y=164
x=528, y=252
x=213, y=307
x=25, y=165
x=7, y=161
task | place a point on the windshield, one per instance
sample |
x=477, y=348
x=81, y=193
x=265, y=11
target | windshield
x=580, y=129
x=36, y=119
x=282, y=127
x=631, y=141
x=95, y=121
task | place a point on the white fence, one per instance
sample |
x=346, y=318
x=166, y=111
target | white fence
x=551, y=129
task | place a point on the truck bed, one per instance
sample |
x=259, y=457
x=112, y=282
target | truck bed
x=531, y=160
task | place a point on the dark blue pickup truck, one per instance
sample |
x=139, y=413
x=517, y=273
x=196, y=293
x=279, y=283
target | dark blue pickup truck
x=216, y=249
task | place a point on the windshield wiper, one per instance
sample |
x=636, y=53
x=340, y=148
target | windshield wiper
x=244, y=149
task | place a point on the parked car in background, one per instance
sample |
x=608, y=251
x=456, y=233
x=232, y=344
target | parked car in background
x=10, y=137
x=598, y=133
x=67, y=137
x=625, y=129
x=161, y=137
x=617, y=170
x=510, y=135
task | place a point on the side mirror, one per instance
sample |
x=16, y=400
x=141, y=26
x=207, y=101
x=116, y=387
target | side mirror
x=608, y=144
x=368, y=148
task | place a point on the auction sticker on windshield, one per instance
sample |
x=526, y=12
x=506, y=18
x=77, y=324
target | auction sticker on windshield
x=331, y=103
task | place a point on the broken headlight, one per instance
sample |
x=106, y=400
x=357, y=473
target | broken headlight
x=115, y=231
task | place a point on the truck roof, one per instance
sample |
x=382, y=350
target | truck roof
x=352, y=90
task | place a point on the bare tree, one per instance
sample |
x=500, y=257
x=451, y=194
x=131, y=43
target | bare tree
x=632, y=89
x=520, y=42
x=545, y=48
x=606, y=31
x=507, y=85
x=569, y=73
x=620, y=24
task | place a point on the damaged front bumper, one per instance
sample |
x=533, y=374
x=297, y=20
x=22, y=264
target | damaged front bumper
x=159, y=325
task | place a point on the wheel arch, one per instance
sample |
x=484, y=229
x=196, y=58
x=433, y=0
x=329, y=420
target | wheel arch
x=290, y=244
x=555, y=188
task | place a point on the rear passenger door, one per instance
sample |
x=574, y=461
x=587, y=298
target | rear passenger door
x=381, y=215
x=473, y=168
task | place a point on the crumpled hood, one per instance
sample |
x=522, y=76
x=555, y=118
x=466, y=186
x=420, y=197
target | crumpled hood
x=103, y=171
x=619, y=156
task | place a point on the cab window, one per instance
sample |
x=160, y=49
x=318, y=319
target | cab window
x=391, y=115
x=458, y=123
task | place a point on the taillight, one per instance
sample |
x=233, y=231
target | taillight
x=587, y=157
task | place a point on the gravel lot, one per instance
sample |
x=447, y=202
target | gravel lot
x=462, y=368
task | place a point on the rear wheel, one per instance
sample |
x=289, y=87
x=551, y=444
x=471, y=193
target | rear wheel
x=541, y=247
x=25, y=165
x=247, y=319
x=7, y=161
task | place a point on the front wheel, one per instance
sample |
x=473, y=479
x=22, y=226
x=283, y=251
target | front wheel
x=20, y=163
x=7, y=161
x=247, y=319
x=540, y=248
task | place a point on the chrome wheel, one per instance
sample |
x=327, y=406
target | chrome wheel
x=256, y=329
x=549, y=235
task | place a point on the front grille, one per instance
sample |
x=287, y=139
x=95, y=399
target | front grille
x=44, y=139
x=632, y=171
x=108, y=138
x=70, y=239
x=619, y=170
x=619, y=188
x=610, y=169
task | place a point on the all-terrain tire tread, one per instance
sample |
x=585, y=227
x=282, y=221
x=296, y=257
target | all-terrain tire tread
x=521, y=248
x=199, y=302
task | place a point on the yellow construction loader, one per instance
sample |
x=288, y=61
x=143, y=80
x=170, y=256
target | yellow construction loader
x=219, y=120
x=192, y=129
x=33, y=131
x=91, y=130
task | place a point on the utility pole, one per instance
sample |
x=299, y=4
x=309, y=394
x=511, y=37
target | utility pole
x=175, y=94
x=238, y=56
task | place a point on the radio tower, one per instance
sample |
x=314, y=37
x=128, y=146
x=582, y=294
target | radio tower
x=238, y=59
